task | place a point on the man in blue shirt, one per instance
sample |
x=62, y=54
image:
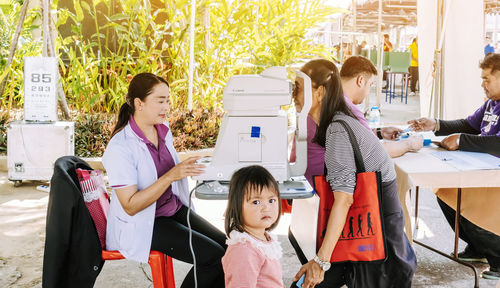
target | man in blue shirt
x=488, y=48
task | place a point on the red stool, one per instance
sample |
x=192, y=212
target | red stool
x=162, y=268
x=285, y=207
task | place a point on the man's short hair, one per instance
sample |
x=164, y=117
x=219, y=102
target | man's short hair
x=356, y=65
x=492, y=60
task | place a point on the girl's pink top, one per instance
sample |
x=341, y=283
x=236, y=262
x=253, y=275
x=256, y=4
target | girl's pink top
x=250, y=262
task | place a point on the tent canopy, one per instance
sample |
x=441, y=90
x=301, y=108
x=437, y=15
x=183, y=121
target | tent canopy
x=394, y=13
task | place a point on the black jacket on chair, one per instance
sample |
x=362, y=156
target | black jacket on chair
x=72, y=256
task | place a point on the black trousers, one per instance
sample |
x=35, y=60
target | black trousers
x=480, y=240
x=413, y=78
x=171, y=236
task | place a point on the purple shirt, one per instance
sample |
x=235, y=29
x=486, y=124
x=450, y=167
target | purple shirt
x=485, y=119
x=357, y=113
x=315, y=153
x=168, y=204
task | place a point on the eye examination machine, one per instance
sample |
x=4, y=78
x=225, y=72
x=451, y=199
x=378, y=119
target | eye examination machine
x=254, y=131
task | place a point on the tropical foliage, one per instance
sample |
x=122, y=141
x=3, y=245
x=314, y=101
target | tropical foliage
x=232, y=37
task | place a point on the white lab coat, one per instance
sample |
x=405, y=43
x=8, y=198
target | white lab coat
x=128, y=161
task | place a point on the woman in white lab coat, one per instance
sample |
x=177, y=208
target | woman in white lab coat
x=149, y=202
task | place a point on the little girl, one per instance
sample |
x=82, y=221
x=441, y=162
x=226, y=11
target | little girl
x=253, y=255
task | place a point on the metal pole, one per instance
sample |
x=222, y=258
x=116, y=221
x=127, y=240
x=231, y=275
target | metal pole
x=495, y=31
x=354, y=29
x=380, y=54
x=341, y=48
x=45, y=28
x=191, y=55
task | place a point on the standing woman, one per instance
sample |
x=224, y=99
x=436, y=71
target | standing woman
x=150, y=193
x=398, y=269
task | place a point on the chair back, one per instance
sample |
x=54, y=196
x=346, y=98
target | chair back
x=96, y=199
x=399, y=61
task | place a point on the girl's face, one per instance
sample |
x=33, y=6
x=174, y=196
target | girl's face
x=154, y=108
x=260, y=211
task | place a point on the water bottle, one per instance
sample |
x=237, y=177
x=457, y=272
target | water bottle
x=374, y=120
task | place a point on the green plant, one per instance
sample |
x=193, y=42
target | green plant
x=195, y=130
x=232, y=37
x=92, y=134
x=27, y=46
x=4, y=119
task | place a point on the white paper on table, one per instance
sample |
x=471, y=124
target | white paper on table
x=467, y=161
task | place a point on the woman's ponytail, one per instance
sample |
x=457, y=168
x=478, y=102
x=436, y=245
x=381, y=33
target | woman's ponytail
x=123, y=117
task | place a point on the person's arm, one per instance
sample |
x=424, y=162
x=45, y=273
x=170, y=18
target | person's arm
x=134, y=200
x=447, y=127
x=399, y=148
x=336, y=222
x=442, y=127
x=242, y=265
x=477, y=143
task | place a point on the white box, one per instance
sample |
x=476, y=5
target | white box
x=32, y=148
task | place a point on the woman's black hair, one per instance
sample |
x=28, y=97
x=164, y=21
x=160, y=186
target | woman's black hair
x=324, y=73
x=243, y=181
x=140, y=87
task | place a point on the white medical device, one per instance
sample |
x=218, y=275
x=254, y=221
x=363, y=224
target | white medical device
x=254, y=129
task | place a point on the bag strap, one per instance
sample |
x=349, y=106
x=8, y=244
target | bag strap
x=358, y=158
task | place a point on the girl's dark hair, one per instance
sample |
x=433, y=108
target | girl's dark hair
x=243, y=181
x=324, y=73
x=140, y=87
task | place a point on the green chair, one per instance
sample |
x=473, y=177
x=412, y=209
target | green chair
x=398, y=64
x=373, y=59
x=399, y=61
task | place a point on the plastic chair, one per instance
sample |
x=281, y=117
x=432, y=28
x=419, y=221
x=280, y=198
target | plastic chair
x=398, y=63
x=285, y=207
x=162, y=268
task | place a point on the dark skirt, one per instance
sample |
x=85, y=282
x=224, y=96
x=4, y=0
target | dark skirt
x=397, y=270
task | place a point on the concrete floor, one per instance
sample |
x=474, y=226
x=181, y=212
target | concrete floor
x=22, y=223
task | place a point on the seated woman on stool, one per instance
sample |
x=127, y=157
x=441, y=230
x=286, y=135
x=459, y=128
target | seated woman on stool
x=150, y=197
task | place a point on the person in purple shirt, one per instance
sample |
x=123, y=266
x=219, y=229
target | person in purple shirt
x=480, y=132
x=150, y=198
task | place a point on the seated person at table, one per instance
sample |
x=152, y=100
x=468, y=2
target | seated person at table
x=480, y=132
x=356, y=77
x=150, y=198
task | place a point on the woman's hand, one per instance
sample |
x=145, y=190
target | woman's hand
x=390, y=133
x=415, y=143
x=186, y=168
x=314, y=274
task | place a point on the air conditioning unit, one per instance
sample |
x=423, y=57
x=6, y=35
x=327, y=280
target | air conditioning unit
x=32, y=148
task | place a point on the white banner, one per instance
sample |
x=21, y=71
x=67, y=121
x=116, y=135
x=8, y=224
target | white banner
x=41, y=78
x=462, y=51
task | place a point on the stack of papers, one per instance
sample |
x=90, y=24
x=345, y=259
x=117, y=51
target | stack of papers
x=467, y=161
